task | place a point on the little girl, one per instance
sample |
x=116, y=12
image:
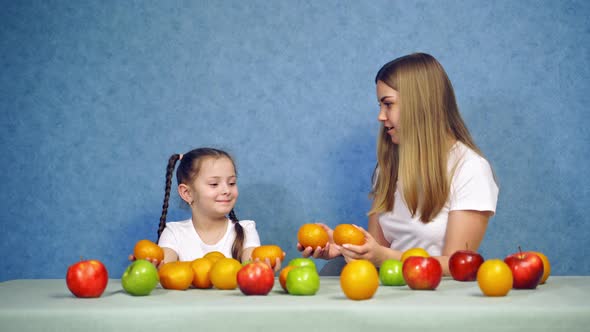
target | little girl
x=207, y=182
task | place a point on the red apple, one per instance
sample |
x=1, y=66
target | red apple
x=256, y=278
x=464, y=264
x=87, y=278
x=422, y=272
x=527, y=269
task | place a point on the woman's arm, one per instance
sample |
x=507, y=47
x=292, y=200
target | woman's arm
x=465, y=230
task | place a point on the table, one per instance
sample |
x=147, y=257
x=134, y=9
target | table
x=47, y=305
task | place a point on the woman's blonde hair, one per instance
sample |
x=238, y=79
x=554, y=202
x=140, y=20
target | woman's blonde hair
x=429, y=123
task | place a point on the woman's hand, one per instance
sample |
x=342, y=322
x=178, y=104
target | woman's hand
x=371, y=250
x=331, y=250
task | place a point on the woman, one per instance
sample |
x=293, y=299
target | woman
x=432, y=187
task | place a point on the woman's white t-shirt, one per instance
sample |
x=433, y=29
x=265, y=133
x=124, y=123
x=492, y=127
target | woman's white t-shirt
x=182, y=237
x=472, y=188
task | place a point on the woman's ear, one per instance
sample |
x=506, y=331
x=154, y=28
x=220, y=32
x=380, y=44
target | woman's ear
x=185, y=193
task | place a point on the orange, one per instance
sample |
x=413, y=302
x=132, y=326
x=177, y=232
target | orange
x=271, y=251
x=148, y=249
x=176, y=275
x=214, y=256
x=347, y=233
x=312, y=235
x=359, y=280
x=414, y=252
x=546, y=266
x=494, y=278
x=224, y=273
x=201, y=269
x=283, y=276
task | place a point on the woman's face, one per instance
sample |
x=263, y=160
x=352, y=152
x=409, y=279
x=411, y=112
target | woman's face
x=389, y=110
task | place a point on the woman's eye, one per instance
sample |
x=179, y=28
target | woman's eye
x=232, y=184
x=213, y=184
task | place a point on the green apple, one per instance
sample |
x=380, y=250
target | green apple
x=300, y=262
x=303, y=280
x=140, y=278
x=390, y=273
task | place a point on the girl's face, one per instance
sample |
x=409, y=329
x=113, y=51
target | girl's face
x=389, y=110
x=215, y=187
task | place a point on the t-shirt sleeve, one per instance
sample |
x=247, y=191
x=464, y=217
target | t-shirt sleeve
x=474, y=187
x=251, y=238
x=168, y=239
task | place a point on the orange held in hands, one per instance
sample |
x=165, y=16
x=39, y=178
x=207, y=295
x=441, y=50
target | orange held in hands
x=271, y=251
x=494, y=278
x=224, y=273
x=312, y=235
x=176, y=275
x=347, y=233
x=359, y=280
x=147, y=249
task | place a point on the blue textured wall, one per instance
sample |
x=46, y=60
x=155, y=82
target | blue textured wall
x=95, y=95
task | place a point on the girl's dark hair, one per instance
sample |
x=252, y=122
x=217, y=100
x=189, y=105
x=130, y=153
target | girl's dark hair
x=188, y=169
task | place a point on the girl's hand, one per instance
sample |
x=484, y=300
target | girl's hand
x=370, y=251
x=277, y=262
x=331, y=250
x=153, y=261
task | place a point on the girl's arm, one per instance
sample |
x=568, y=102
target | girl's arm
x=465, y=230
x=169, y=256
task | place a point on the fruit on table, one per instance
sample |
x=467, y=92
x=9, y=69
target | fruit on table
x=527, y=269
x=359, y=280
x=422, y=273
x=312, y=235
x=494, y=278
x=414, y=252
x=283, y=276
x=390, y=273
x=176, y=275
x=256, y=278
x=146, y=249
x=201, y=272
x=348, y=233
x=303, y=281
x=224, y=273
x=87, y=278
x=140, y=278
x=463, y=265
x=300, y=261
x=270, y=251
x=546, y=266
x=214, y=256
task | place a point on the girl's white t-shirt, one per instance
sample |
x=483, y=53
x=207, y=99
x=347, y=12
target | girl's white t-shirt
x=472, y=188
x=182, y=237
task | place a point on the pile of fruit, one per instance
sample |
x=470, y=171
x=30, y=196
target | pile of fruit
x=359, y=279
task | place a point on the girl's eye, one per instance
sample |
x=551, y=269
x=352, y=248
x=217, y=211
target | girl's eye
x=232, y=184
x=213, y=184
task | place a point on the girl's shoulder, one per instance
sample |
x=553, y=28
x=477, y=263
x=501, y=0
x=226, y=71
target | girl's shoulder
x=179, y=224
x=247, y=223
